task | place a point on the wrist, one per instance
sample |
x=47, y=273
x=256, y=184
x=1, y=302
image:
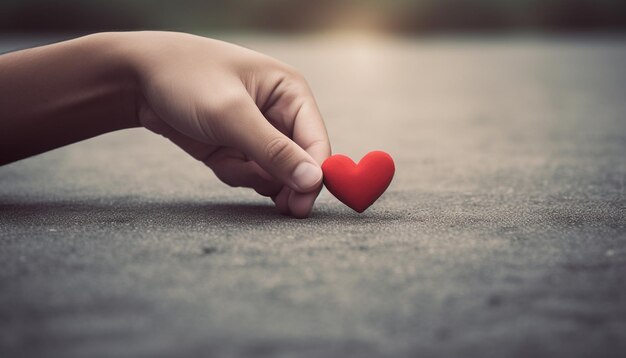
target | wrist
x=117, y=65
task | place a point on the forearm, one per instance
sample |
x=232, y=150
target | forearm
x=54, y=95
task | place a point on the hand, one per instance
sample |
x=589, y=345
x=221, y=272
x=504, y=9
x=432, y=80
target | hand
x=248, y=117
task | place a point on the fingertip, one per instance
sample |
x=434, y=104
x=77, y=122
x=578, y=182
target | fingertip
x=301, y=204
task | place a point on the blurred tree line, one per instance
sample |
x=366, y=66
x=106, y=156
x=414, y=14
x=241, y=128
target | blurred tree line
x=398, y=16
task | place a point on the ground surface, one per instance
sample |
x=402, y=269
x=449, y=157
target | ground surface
x=503, y=233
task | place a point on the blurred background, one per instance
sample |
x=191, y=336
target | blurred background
x=392, y=16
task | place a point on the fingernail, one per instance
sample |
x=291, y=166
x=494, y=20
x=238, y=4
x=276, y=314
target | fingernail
x=306, y=176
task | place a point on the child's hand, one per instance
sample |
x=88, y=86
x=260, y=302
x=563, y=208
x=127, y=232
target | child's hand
x=250, y=118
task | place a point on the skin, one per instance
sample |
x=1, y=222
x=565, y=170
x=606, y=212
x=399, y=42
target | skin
x=250, y=118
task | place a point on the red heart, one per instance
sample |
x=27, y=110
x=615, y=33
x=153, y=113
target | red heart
x=358, y=185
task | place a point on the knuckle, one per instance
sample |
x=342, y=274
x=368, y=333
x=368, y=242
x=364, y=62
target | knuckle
x=293, y=72
x=297, y=80
x=289, y=74
x=279, y=150
x=300, y=89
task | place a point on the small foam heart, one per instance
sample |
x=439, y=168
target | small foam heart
x=358, y=185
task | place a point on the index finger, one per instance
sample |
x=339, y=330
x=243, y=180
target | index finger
x=309, y=130
x=294, y=111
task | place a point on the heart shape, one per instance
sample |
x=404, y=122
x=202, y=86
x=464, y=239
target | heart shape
x=358, y=185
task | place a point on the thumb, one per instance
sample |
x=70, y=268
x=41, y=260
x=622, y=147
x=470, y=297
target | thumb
x=246, y=128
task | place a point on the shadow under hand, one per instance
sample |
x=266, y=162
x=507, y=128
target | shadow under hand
x=118, y=213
